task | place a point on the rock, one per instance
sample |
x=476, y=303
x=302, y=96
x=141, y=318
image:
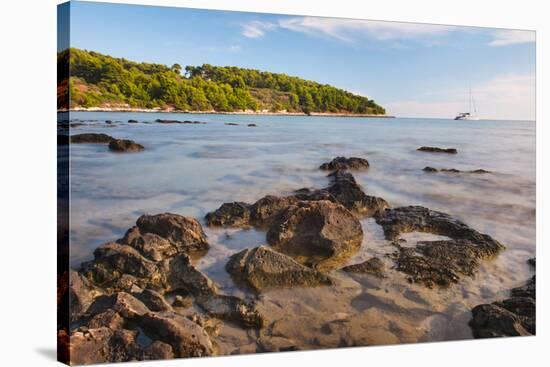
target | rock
x=316, y=229
x=439, y=263
x=277, y=344
x=229, y=214
x=125, y=145
x=262, y=268
x=153, y=300
x=306, y=194
x=438, y=150
x=420, y=219
x=231, y=124
x=346, y=191
x=231, y=308
x=532, y=262
x=132, y=121
x=436, y=262
x=108, y=122
x=161, y=121
x=343, y=163
x=186, y=338
x=80, y=295
x=490, y=321
x=102, y=345
x=110, y=319
x=454, y=170
x=91, y=138
x=184, y=276
x=513, y=316
x=150, y=245
x=185, y=233
x=157, y=350
x=373, y=266
x=123, y=303
x=112, y=260
x=252, y=125
x=265, y=210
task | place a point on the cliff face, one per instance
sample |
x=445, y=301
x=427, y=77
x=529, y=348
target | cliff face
x=97, y=80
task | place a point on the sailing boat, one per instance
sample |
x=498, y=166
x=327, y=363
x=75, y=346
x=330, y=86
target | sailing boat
x=469, y=115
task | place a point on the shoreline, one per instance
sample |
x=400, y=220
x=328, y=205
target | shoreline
x=251, y=113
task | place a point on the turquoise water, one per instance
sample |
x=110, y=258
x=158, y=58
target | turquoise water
x=192, y=169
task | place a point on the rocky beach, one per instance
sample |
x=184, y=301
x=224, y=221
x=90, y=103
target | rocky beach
x=250, y=234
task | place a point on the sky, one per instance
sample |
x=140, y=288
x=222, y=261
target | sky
x=413, y=70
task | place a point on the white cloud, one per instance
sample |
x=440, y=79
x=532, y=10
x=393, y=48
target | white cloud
x=507, y=97
x=256, y=28
x=512, y=37
x=347, y=30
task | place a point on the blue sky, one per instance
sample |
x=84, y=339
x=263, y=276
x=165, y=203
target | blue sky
x=414, y=70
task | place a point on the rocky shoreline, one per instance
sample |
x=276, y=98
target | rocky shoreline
x=142, y=297
x=259, y=113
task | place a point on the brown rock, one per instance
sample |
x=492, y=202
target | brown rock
x=438, y=150
x=262, y=268
x=125, y=145
x=343, y=163
x=184, y=232
x=91, y=138
x=373, y=266
x=316, y=229
x=229, y=214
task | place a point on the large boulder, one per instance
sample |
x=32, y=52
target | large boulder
x=229, y=214
x=185, y=233
x=262, y=268
x=343, y=163
x=103, y=345
x=265, y=210
x=80, y=294
x=125, y=145
x=316, y=229
x=347, y=192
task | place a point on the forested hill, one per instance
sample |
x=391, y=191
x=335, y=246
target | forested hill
x=103, y=81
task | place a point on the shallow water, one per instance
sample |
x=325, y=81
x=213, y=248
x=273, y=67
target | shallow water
x=192, y=169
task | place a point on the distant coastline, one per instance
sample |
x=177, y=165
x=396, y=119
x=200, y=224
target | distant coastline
x=248, y=112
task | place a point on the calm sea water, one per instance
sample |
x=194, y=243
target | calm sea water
x=193, y=169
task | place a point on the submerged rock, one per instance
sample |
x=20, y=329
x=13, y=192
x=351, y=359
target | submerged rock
x=346, y=191
x=373, y=266
x=252, y=125
x=125, y=145
x=132, y=121
x=91, y=138
x=232, y=309
x=454, y=170
x=438, y=150
x=436, y=262
x=343, y=163
x=262, y=268
x=231, y=124
x=229, y=214
x=185, y=233
x=319, y=229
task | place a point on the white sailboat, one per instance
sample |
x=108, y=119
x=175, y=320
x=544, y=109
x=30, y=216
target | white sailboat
x=472, y=116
